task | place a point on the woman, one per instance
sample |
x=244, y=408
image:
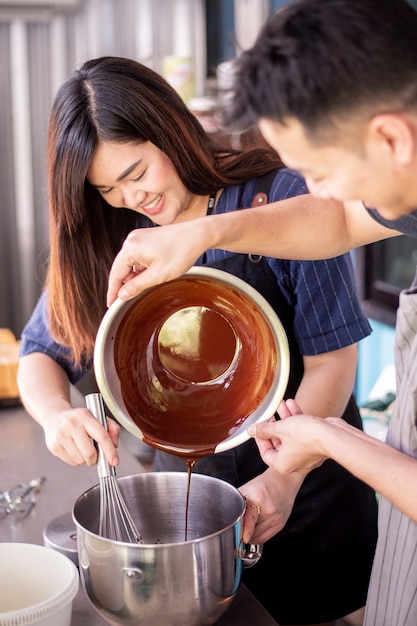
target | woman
x=124, y=152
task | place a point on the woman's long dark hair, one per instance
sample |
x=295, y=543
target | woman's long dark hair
x=119, y=100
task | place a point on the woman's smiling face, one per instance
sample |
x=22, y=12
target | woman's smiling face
x=139, y=176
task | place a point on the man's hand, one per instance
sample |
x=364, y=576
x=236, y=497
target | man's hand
x=150, y=256
x=294, y=443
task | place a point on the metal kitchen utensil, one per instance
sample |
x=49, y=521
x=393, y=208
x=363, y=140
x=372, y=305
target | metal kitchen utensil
x=115, y=521
x=20, y=499
x=167, y=580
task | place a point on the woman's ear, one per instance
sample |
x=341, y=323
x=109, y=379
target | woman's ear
x=396, y=134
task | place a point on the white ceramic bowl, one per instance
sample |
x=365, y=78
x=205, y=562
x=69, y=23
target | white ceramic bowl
x=37, y=585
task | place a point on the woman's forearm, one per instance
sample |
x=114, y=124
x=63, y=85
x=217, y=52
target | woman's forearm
x=327, y=382
x=43, y=386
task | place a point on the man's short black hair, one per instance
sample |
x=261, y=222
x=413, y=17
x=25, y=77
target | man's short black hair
x=321, y=60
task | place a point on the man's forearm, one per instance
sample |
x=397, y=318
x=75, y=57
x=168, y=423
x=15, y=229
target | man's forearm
x=302, y=228
x=387, y=470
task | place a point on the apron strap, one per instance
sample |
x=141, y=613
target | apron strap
x=263, y=186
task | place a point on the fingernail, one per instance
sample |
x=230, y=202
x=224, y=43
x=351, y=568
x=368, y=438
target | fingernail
x=123, y=293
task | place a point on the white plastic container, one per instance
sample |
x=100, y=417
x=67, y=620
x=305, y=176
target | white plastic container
x=37, y=585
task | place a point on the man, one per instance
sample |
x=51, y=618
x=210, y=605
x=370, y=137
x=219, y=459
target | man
x=332, y=85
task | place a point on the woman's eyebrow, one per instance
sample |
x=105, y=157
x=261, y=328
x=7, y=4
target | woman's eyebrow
x=129, y=170
x=123, y=175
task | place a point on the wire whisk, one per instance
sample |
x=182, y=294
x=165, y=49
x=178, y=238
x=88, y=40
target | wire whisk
x=115, y=520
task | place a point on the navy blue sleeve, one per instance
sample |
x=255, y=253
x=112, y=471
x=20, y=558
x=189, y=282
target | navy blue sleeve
x=327, y=312
x=36, y=337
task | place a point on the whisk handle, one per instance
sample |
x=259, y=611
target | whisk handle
x=95, y=405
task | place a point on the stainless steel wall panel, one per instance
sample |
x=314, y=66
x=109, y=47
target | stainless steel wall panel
x=39, y=47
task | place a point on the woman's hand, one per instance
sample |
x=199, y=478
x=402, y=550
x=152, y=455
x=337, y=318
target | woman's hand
x=69, y=432
x=269, y=502
x=70, y=435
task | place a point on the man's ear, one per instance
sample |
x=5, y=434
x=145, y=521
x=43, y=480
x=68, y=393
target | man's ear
x=396, y=134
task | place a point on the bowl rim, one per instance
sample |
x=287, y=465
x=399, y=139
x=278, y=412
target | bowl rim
x=269, y=404
x=175, y=477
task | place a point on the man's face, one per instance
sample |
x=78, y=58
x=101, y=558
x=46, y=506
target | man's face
x=366, y=173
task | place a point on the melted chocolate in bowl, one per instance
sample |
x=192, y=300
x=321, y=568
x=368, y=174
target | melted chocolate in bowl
x=194, y=361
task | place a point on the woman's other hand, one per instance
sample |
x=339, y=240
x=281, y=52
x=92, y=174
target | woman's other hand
x=269, y=502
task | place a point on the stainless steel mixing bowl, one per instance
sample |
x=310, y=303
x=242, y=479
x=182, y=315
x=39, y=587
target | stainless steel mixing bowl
x=165, y=581
x=199, y=350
